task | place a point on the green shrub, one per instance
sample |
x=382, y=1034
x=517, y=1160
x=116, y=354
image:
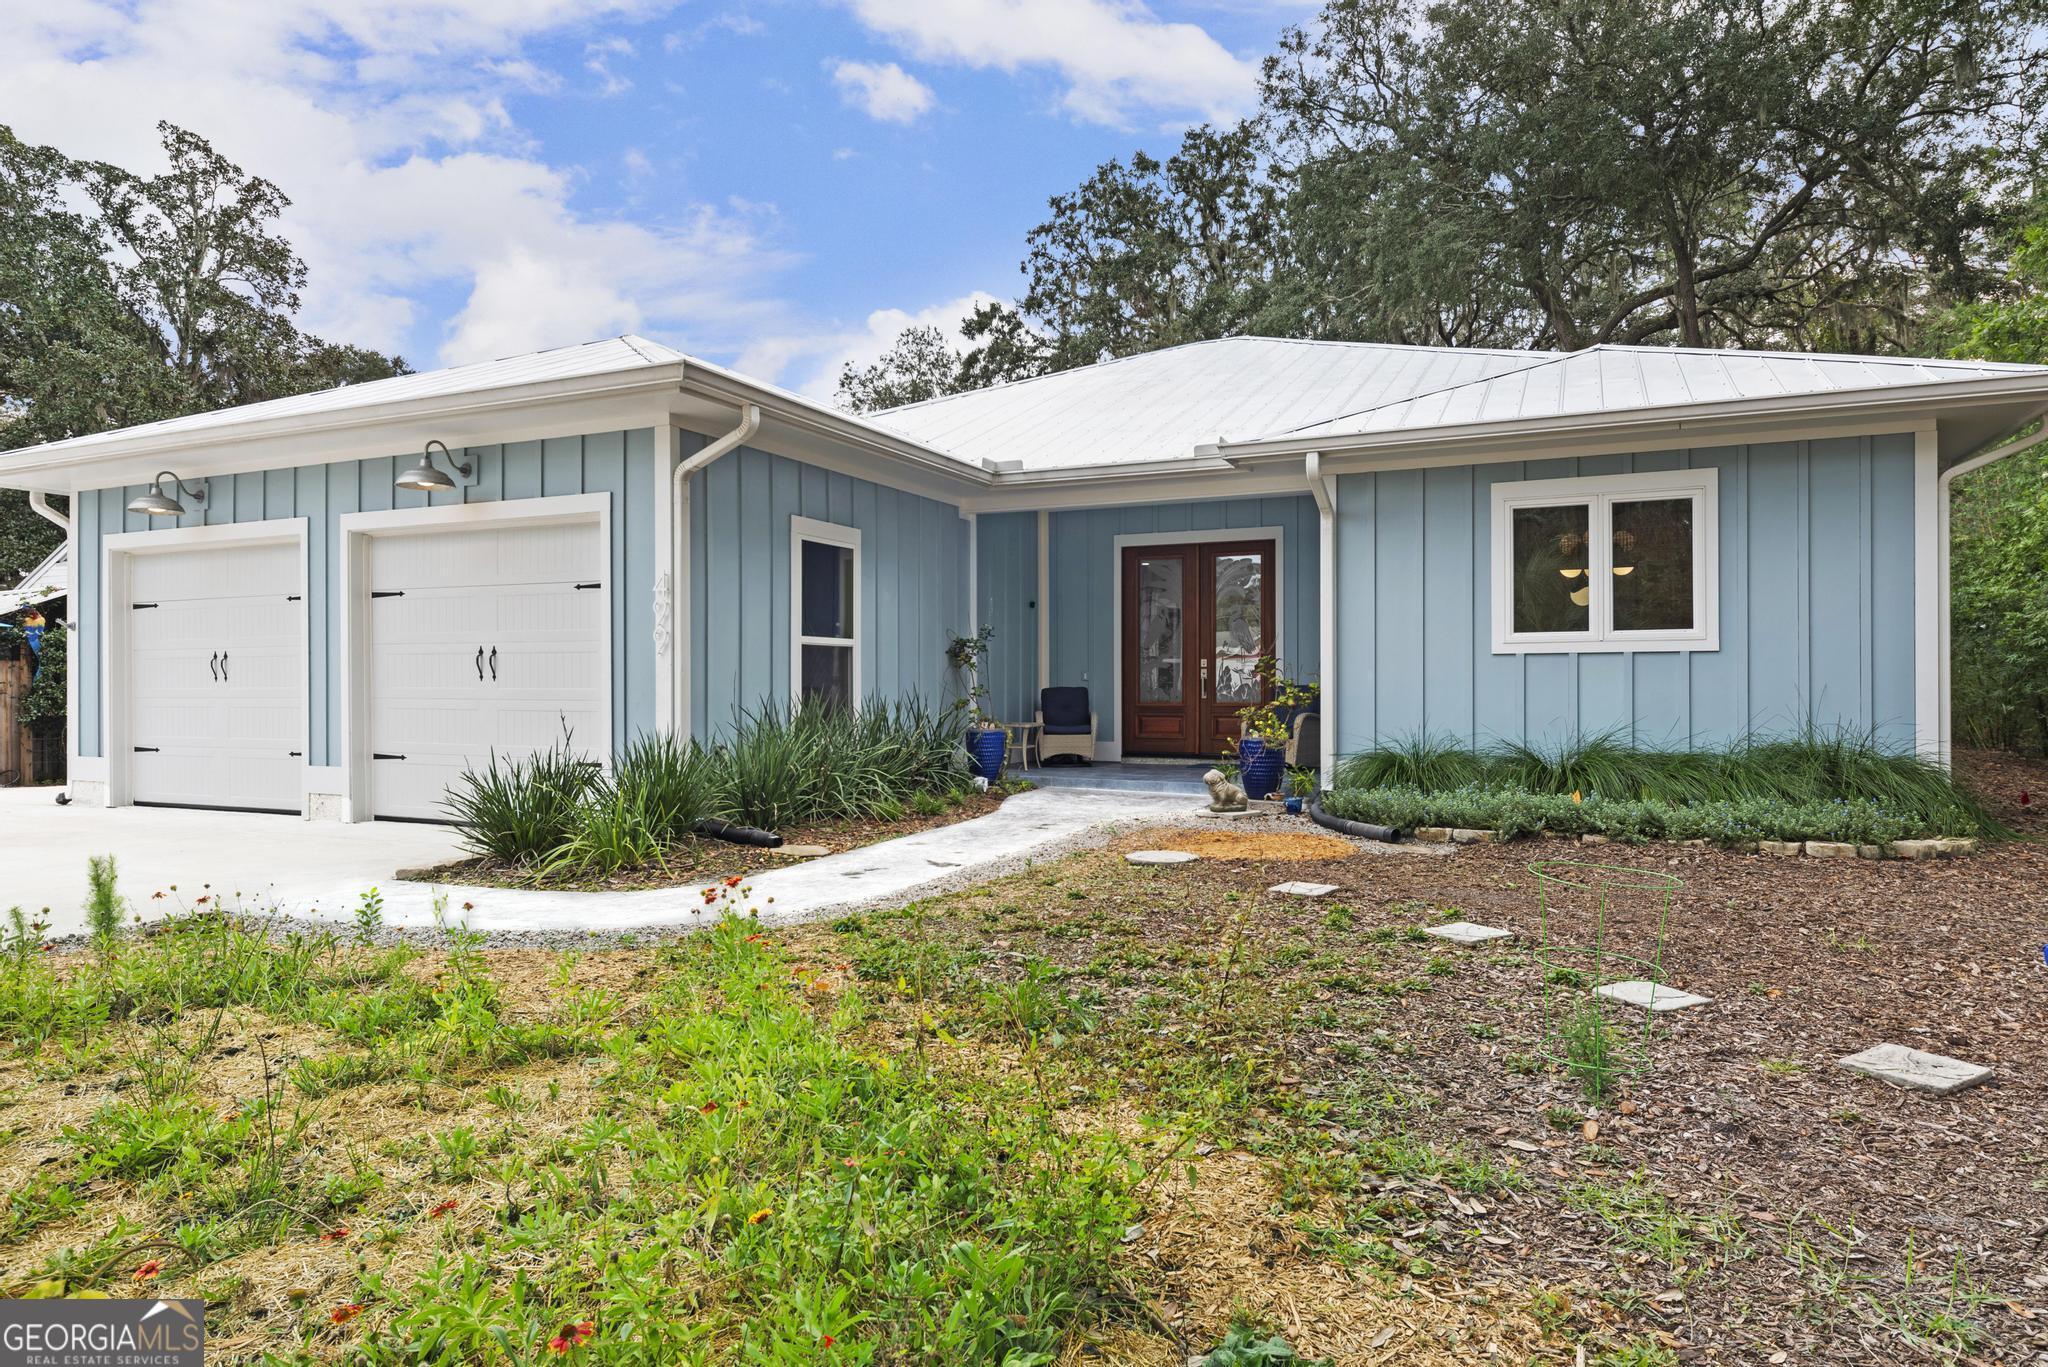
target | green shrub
x=521, y=810
x=1757, y=783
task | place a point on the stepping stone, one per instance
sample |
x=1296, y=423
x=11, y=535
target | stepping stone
x=1160, y=857
x=1468, y=932
x=1912, y=1068
x=1303, y=889
x=1656, y=996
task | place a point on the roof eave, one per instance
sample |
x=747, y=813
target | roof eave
x=1517, y=437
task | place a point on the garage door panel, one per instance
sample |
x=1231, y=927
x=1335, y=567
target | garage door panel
x=211, y=572
x=216, y=678
x=507, y=592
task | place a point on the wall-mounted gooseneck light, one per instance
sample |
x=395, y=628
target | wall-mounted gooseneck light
x=429, y=476
x=157, y=503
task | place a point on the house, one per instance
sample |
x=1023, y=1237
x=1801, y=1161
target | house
x=332, y=603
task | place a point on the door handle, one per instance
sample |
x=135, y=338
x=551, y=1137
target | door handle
x=494, y=664
x=213, y=666
x=1205, y=676
x=223, y=666
x=479, y=664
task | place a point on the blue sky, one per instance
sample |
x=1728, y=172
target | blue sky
x=777, y=186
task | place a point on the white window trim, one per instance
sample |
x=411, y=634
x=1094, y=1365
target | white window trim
x=802, y=529
x=1599, y=493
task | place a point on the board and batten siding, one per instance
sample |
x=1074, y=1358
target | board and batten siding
x=1082, y=645
x=1816, y=607
x=617, y=463
x=913, y=583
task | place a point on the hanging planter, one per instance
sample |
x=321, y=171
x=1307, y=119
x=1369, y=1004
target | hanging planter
x=1259, y=766
x=987, y=747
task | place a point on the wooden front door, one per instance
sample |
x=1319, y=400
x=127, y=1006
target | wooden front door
x=1196, y=621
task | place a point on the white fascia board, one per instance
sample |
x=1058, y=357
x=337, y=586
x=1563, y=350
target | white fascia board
x=1845, y=413
x=546, y=408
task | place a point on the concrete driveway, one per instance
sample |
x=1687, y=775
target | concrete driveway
x=318, y=869
x=298, y=865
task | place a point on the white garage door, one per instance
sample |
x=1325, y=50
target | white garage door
x=215, y=678
x=481, y=642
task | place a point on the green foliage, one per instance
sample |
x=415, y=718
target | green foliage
x=919, y=365
x=1593, y=1050
x=780, y=767
x=105, y=907
x=1818, y=785
x=1247, y=1346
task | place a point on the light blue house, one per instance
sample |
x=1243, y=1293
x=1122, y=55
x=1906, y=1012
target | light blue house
x=331, y=604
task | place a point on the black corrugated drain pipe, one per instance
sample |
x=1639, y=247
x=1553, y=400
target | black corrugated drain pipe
x=739, y=835
x=1360, y=829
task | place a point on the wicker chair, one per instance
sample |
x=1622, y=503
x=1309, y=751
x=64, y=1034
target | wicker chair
x=1305, y=742
x=1066, y=724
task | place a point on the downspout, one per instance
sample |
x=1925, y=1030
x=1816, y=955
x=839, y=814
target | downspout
x=750, y=423
x=41, y=503
x=1985, y=456
x=1324, y=487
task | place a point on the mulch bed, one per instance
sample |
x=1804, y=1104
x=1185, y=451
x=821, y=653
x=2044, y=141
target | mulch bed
x=702, y=861
x=1744, y=1122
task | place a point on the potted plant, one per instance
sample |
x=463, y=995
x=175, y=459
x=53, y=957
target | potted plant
x=1262, y=728
x=1301, y=785
x=987, y=742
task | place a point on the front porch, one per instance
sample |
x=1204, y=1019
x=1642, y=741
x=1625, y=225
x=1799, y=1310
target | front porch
x=1159, y=610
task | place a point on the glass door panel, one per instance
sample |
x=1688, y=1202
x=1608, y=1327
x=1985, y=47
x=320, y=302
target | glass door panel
x=1162, y=630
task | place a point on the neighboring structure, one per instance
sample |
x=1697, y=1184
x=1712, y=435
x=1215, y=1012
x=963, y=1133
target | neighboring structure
x=42, y=587
x=1682, y=546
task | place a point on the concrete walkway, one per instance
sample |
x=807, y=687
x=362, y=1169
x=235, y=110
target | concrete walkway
x=317, y=869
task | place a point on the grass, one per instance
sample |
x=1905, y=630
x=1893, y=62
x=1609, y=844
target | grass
x=1817, y=765
x=566, y=819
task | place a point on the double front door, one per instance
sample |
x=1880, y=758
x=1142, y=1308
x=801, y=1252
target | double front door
x=1197, y=619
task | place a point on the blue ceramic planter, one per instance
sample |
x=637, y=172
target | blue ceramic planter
x=1258, y=767
x=1293, y=805
x=988, y=749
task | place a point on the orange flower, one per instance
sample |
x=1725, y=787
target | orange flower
x=342, y=1314
x=335, y=1235
x=150, y=1270
x=826, y=1341
x=733, y=881
x=1577, y=796
x=849, y=1162
x=438, y=1211
x=572, y=1336
x=759, y=1216
x=708, y=1108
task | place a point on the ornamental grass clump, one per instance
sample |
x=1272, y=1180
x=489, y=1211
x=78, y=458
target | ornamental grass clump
x=1819, y=783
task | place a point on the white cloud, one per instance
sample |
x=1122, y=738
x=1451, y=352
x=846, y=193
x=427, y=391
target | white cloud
x=815, y=358
x=883, y=89
x=597, y=60
x=413, y=190
x=1115, y=56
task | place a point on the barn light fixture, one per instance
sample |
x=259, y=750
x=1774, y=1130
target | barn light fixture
x=429, y=476
x=157, y=503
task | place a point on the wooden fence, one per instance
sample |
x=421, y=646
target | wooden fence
x=15, y=745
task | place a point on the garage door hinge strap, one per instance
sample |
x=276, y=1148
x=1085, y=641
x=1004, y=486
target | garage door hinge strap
x=140, y=606
x=377, y=756
x=387, y=593
x=292, y=598
x=147, y=750
x=297, y=754
x=590, y=586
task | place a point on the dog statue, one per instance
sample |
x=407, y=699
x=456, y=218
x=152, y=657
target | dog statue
x=1224, y=796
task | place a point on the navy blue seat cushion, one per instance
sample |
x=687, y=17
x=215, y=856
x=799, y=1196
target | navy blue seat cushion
x=1065, y=711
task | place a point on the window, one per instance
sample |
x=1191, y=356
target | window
x=824, y=611
x=1606, y=563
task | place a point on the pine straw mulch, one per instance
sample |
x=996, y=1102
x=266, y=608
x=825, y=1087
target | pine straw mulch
x=1828, y=1214
x=705, y=860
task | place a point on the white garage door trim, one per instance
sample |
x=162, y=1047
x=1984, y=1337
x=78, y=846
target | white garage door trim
x=117, y=557
x=355, y=529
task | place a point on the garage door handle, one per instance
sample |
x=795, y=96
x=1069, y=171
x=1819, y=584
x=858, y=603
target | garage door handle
x=479, y=664
x=213, y=665
x=494, y=664
x=223, y=666
x=377, y=756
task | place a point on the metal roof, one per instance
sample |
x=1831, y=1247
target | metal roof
x=614, y=355
x=50, y=579
x=1606, y=380
x=1159, y=405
